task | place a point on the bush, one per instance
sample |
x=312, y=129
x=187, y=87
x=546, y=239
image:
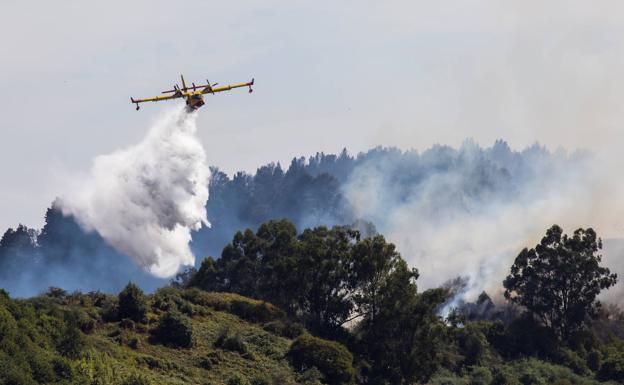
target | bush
x=331, y=358
x=594, y=360
x=480, y=376
x=237, y=379
x=210, y=360
x=86, y=324
x=136, y=379
x=446, y=377
x=174, y=330
x=42, y=370
x=260, y=380
x=311, y=376
x=13, y=374
x=232, y=342
x=134, y=343
x=284, y=328
x=504, y=377
x=169, y=299
x=127, y=324
x=71, y=341
x=110, y=310
x=536, y=372
x=571, y=359
x=612, y=367
x=255, y=311
x=62, y=368
x=526, y=337
x=473, y=344
x=132, y=303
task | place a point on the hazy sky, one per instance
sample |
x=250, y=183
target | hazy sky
x=329, y=75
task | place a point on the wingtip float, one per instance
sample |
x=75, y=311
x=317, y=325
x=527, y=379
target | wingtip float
x=193, y=94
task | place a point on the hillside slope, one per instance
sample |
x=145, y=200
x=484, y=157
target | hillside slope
x=58, y=338
x=209, y=339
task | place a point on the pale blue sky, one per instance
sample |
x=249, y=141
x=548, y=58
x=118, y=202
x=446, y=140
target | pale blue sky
x=329, y=75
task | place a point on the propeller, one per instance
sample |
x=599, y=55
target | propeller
x=210, y=86
x=175, y=88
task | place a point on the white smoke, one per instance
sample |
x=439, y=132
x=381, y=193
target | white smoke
x=145, y=200
x=472, y=210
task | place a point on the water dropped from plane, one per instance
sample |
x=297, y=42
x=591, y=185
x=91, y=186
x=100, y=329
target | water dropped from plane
x=146, y=199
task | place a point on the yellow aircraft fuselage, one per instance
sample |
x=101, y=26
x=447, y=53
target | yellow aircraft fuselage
x=194, y=101
x=194, y=95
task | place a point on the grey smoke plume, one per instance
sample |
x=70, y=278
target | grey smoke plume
x=468, y=212
x=146, y=199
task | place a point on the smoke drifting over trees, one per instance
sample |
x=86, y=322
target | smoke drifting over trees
x=465, y=211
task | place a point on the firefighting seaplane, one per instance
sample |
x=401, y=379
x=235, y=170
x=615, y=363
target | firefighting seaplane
x=194, y=94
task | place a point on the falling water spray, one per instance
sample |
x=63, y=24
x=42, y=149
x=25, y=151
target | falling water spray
x=146, y=199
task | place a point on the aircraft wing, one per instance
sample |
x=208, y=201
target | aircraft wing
x=157, y=98
x=210, y=90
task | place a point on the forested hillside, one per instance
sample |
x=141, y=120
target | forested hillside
x=170, y=337
x=323, y=295
x=330, y=306
x=377, y=191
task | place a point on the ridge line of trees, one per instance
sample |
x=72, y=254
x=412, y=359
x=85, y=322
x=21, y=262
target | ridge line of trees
x=362, y=293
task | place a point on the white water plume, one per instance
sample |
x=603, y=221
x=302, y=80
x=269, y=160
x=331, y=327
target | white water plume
x=146, y=199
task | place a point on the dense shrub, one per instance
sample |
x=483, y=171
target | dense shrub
x=175, y=330
x=136, y=379
x=526, y=337
x=127, y=323
x=94, y=369
x=86, y=324
x=311, y=376
x=594, y=360
x=237, y=379
x=255, y=311
x=170, y=298
x=331, y=358
x=480, y=376
x=536, y=372
x=612, y=367
x=110, y=310
x=260, y=380
x=572, y=360
x=217, y=301
x=71, y=342
x=473, y=344
x=132, y=303
x=286, y=329
x=134, y=343
x=62, y=368
x=504, y=376
x=42, y=370
x=232, y=342
x=12, y=373
x=445, y=376
x=157, y=363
